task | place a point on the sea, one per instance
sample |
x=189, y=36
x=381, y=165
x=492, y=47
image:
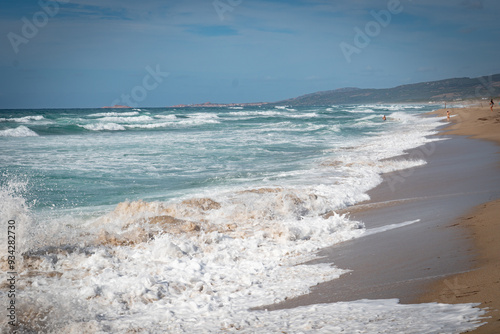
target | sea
x=182, y=220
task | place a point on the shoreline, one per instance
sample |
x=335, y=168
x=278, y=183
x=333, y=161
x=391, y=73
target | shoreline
x=408, y=262
x=481, y=284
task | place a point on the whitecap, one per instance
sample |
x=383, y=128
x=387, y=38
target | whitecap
x=306, y=115
x=21, y=131
x=24, y=119
x=119, y=119
x=114, y=114
x=355, y=111
x=257, y=113
x=203, y=116
x=197, y=121
x=103, y=127
x=172, y=117
x=150, y=125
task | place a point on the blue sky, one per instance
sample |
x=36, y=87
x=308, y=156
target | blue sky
x=92, y=53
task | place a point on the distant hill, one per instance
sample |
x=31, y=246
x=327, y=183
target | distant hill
x=442, y=90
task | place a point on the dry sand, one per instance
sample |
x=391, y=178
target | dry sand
x=482, y=284
x=476, y=122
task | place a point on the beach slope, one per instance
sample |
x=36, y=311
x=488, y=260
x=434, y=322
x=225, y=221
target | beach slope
x=482, y=284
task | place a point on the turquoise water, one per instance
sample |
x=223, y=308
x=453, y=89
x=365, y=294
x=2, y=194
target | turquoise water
x=98, y=157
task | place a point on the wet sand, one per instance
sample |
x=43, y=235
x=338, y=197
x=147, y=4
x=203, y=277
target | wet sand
x=482, y=284
x=424, y=261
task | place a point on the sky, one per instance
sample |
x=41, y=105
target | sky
x=157, y=53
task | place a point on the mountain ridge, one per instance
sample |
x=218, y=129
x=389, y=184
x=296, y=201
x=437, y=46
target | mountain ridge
x=440, y=90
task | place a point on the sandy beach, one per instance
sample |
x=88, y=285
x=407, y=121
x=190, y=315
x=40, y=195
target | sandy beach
x=482, y=284
x=450, y=254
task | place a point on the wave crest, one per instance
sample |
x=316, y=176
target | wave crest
x=20, y=131
x=103, y=127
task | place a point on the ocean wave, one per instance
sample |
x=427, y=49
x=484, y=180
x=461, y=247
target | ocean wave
x=257, y=113
x=335, y=128
x=183, y=122
x=24, y=119
x=150, y=126
x=402, y=117
x=198, y=121
x=355, y=111
x=393, y=107
x=369, y=117
x=103, y=127
x=119, y=119
x=305, y=115
x=405, y=107
x=362, y=125
x=20, y=131
x=115, y=114
x=153, y=265
x=203, y=116
x=171, y=117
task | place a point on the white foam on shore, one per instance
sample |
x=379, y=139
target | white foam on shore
x=206, y=282
x=389, y=227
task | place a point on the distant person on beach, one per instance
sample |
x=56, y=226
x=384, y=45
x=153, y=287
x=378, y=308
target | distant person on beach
x=491, y=104
x=448, y=114
x=384, y=118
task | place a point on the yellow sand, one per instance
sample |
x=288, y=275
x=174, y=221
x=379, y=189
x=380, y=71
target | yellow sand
x=481, y=285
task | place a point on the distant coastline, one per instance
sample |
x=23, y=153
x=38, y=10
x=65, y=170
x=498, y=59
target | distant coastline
x=448, y=90
x=218, y=105
x=117, y=106
x=441, y=91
